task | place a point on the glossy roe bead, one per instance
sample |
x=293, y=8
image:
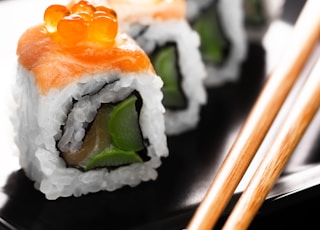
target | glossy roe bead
x=72, y=29
x=52, y=15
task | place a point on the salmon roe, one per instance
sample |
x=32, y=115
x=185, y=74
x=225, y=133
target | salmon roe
x=82, y=22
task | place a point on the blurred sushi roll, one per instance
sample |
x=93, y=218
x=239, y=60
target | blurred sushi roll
x=161, y=29
x=259, y=14
x=221, y=27
x=89, y=108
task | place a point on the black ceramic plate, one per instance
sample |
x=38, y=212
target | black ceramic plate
x=195, y=156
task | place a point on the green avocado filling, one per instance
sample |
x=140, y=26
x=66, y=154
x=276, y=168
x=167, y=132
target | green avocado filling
x=113, y=139
x=164, y=61
x=254, y=13
x=214, y=46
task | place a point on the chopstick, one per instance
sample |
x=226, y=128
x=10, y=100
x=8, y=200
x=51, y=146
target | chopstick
x=304, y=38
x=270, y=168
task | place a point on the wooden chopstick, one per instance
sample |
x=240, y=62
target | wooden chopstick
x=273, y=163
x=304, y=37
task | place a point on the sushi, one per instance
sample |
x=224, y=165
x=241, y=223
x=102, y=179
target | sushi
x=161, y=29
x=89, y=110
x=221, y=27
x=259, y=14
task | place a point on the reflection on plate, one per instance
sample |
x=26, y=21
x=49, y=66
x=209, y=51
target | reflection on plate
x=195, y=156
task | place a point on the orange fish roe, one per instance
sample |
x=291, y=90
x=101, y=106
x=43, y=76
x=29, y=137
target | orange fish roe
x=103, y=26
x=82, y=6
x=53, y=15
x=72, y=29
x=82, y=22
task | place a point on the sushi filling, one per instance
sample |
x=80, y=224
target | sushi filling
x=254, y=13
x=165, y=61
x=215, y=46
x=112, y=139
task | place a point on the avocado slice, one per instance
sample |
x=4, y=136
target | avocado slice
x=164, y=61
x=254, y=13
x=123, y=126
x=213, y=43
x=113, y=157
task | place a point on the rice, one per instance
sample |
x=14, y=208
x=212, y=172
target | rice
x=39, y=134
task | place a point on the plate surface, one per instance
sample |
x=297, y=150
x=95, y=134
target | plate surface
x=195, y=156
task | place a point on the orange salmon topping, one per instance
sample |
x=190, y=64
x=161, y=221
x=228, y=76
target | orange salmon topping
x=56, y=66
x=137, y=10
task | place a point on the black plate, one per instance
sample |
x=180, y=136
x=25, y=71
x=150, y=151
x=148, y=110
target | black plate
x=195, y=156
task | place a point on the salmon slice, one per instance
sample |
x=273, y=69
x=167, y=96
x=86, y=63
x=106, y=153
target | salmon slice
x=137, y=10
x=55, y=65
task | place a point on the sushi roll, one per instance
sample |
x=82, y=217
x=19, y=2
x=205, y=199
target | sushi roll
x=161, y=29
x=89, y=109
x=221, y=27
x=259, y=14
